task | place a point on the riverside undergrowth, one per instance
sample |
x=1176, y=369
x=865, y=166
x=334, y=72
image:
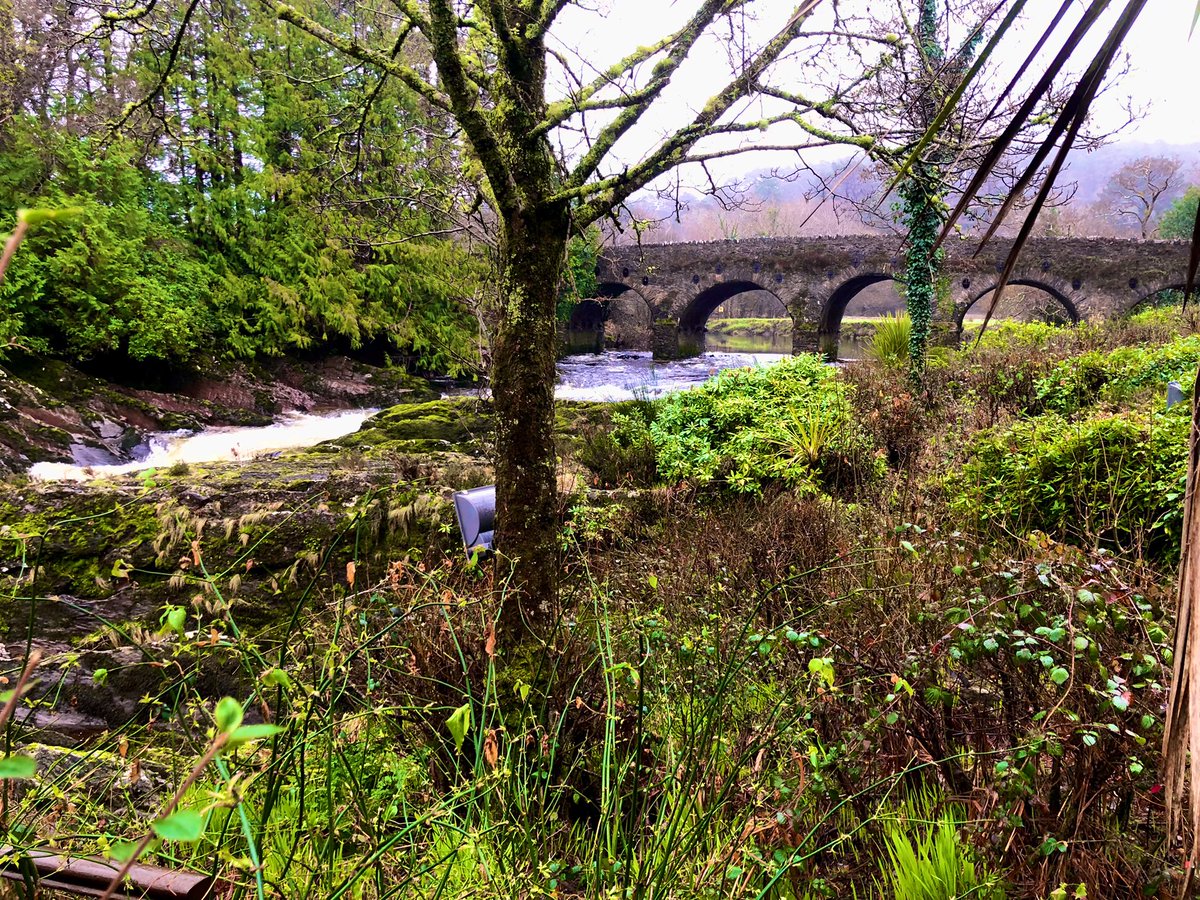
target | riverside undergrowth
x=744, y=693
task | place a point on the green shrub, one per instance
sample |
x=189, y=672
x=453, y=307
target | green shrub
x=1112, y=480
x=1009, y=333
x=790, y=422
x=624, y=453
x=889, y=344
x=1116, y=375
x=147, y=271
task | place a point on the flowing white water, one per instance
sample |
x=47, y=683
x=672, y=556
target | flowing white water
x=625, y=375
x=219, y=444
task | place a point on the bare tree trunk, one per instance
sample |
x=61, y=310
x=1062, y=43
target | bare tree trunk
x=523, y=380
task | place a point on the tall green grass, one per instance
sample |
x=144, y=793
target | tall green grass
x=890, y=342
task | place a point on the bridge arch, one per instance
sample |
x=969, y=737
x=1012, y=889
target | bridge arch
x=829, y=325
x=695, y=314
x=588, y=315
x=1147, y=299
x=1045, y=287
x=628, y=322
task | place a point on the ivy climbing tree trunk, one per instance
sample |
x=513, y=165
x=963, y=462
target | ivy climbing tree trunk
x=924, y=216
x=923, y=211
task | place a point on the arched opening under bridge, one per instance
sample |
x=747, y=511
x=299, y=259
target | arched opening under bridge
x=736, y=316
x=846, y=322
x=1024, y=300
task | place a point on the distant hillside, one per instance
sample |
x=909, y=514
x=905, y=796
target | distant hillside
x=1092, y=171
x=828, y=200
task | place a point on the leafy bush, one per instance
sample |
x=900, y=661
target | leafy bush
x=1113, y=480
x=148, y=271
x=890, y=342
x=790, y=422
x=1118, y=374
x=624, y=453
x=1008, y=333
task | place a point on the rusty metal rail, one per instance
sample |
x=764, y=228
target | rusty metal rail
x=87, y=877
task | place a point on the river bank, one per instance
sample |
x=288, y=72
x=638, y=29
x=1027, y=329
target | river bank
x=51, y=411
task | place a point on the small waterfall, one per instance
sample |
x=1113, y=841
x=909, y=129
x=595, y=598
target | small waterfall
x=220, y=444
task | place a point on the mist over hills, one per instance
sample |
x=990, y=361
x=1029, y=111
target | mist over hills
x=828, y=199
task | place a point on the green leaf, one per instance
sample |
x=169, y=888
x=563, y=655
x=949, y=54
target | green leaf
x=17, y=767
x=248, y=733
x=122, y=851
x=822, y=666
x=277, y=678
x=181, y=825
x=459, y=724
x=652, y=580
x=100, y=677
x=1059, y=675
x=175, y=618
x=38, y=216
x=229, y=715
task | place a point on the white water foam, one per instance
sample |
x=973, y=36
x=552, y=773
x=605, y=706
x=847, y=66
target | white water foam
x=219, y=444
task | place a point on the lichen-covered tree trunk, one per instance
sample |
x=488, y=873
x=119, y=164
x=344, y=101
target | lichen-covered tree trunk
x=523, y=378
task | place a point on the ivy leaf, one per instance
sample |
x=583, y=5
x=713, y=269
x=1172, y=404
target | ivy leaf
x=1059, y=675
x=459, y=724
x=15, y=767
x=181, y=825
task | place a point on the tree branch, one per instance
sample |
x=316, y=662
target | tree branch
x=352, y=48
x=676, y=147
x=464, y=103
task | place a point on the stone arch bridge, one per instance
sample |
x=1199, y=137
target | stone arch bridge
x=677, y=286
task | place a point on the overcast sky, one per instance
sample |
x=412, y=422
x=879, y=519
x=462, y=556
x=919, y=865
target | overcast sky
x=1166, y=71
x=1166, y=64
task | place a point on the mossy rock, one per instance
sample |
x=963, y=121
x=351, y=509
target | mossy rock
x=255, y=535
x=459, y=424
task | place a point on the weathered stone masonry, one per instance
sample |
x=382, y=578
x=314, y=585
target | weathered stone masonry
x=815, y=278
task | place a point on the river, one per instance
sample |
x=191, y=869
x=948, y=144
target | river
x=629, y=374
x=609, y=376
